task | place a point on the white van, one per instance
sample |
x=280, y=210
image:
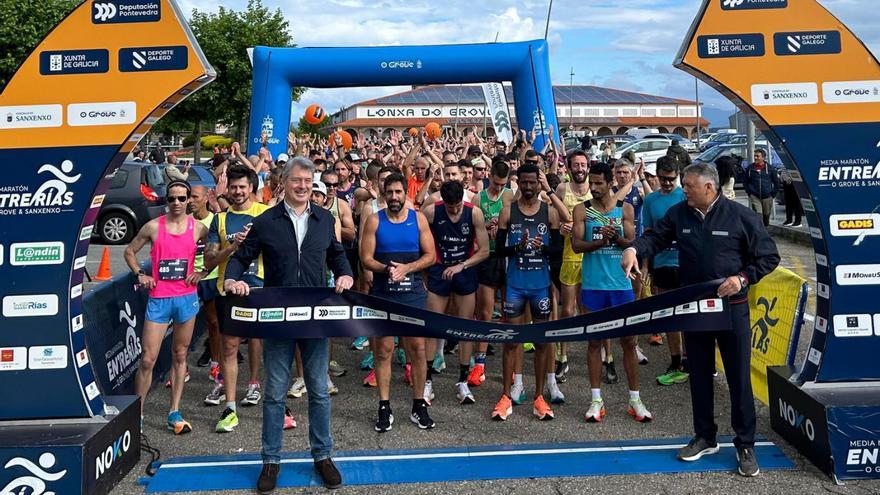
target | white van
x=641, y=133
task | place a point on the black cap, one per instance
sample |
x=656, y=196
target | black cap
x=474, y=150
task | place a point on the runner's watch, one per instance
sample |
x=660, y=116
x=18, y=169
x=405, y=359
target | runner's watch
x=743, y=282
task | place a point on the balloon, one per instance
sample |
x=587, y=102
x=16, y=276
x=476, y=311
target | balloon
x=314, y=114
x=433, y=130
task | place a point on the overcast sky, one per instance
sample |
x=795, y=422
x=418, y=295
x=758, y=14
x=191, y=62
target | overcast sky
x=623, y=44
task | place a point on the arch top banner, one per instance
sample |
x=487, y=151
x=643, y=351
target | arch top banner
x=78, y=104
x=814, y=89
x=276, y=70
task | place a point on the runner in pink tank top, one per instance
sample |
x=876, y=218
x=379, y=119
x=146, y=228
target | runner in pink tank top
x=173, y=256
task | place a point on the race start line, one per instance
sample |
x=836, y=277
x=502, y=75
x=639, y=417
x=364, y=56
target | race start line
x=650, y=456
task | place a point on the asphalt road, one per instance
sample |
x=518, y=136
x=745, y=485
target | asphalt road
x=354, y=412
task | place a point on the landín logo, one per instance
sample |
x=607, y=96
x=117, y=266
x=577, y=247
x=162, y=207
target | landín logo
x=37, y=253
x=271, y=314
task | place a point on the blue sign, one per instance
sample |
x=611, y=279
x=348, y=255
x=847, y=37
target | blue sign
x=807, y=43
x=153, y=58
x=74, y=62
x=753, y=4
x=730, y=45
x=119, y=11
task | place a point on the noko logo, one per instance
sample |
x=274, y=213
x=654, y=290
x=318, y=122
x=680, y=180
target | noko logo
x=35, y=482
x=796, y=420
x=113, y=452
x=36, y=253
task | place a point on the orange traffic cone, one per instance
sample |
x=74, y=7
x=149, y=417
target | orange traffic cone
x=104, y=268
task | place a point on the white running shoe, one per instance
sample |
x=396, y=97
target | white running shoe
x=298, y=388
x=253, y=395
x=638, y=411
x=596, y=411
x=216, y=395
x=332, y=389
x=429, y=392
x=517, y=393
x=641, y=355
x=464, y=394
x=556, y=395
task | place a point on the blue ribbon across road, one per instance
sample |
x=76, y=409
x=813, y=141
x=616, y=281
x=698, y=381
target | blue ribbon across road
x=310, y=312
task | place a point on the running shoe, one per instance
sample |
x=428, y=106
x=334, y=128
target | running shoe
x=746, y=463
x=332, y=389
x=528, y=347
x=386, y=419
x=289, y=422
x=638, y=411
x=561, y=371
x=370, y=379
x=655, y=339
x=429, y=392
x=360, y=343
x=517, y=393
x=336, y=369
x=298, y=388
x=407, y=375
x=214, y=374
x=503, y=409
x=643, y=360
x=185, y=380
x=439, y=363
x=672, y=376
x=367, y=362
x=216, y=396
x=464, y=394
x=205, y=358
x=421, y=418
x=228, y=421
x=477, y=375
x=542, y=410
x=610, y=373
x=596, y=411
x=177, y=424
x=253, y=395
x=556, y=395
x=696, y=448
x=400, y=356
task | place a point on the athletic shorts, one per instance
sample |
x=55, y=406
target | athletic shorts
x=597, y=300
x=570, y=273
x=537, y=299
x=492, y=272
x=665, y=277
x=208, y=290
x=179, y=309
x=555, y=268
x=463, y=283
x=416, y=298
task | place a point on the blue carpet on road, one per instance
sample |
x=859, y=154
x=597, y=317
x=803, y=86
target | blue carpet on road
x=464, y=463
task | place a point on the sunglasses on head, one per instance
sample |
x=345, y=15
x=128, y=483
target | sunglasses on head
x=179, y=199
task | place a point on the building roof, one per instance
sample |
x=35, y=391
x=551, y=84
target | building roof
x=564, y=95
x=563, y=121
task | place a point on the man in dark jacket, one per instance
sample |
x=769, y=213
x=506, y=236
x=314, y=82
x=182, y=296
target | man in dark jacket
x=761, y=183
x=717, y=239
x=679, y=153
x=296, y=242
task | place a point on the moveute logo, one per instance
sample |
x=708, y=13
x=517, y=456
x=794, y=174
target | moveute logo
x=112, y=453
x=123, y=355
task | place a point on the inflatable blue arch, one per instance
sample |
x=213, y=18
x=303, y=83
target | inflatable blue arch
x=277, y=70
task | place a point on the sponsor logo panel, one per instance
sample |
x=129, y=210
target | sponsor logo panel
x=635, y=320
x=857, y=274
x=106, y=113
x=364, y=313
x=30, y=305
x=153, y=58
x=806, y=43
x=563, y=332
x=298, y=313
x=785, y=94
x=711, y=306
x=244, y=314
x=30, y=116
x=855, y=225
x=47, y=357
x=662, y=313
x=837, y=92
x=853, y=325
x=332, y=312
x=753, y=4
x=92, y=391
x=36, y=253
x=61, y=62
x=687, y=308
x=730, y=45
x=82, y=358
x=13, y=358
x=271, y=314
x=608, y=325
x=406, y=319
x=121, y=11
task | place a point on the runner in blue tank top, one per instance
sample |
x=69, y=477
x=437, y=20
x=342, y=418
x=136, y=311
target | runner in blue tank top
x=528, y=235
x=396, y=245
x=462, y=243
x=602, y=228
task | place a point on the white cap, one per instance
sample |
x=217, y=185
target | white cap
x=651, y=168
x=320, y=187
x=282, y=157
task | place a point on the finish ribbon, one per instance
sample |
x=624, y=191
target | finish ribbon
x=310, y=312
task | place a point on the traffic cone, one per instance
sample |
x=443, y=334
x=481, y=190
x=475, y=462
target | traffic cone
x=104, y=269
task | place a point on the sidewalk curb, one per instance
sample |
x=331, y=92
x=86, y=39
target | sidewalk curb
x=797, y=236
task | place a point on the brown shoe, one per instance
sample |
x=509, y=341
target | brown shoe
x=329, y=474
x=268, y=478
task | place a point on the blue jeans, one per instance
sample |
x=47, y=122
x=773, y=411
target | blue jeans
x=277, y=359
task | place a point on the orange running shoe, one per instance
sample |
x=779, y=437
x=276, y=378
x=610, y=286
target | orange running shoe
x=656, y=339
x=503, y=409
x=370, y=380
x=542, y=410
x=477, y=375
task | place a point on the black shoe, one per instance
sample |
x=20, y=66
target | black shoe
x=684, y=365
x=205, y=358
x=746, y=463
x=240, y=358
x=561, y=371
x=799, y=224
x=696, y=448
x=268, y=478
x=386, y=419
x=787, y=223
x=610, y=373
x=490, y=351
x=421, y=418
x=449, y=346
x=329, y=474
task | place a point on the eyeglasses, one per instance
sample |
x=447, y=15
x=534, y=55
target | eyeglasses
x=666, y=179
x=331, y=184
x=480, y=169
x=531, y=162
x=179, y=199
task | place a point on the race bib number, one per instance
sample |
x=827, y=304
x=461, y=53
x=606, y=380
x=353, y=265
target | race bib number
x=171, y=270
x=405, y=285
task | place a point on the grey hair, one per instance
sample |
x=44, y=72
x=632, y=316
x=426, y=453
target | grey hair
x=297, y=161
x=623, y=162
x=706, y=172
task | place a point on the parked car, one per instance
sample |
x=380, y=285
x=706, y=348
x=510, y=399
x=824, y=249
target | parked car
x=648, y=150
x=641, y=133
x=135, y=197
x=685, y=143
x=721, y=138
